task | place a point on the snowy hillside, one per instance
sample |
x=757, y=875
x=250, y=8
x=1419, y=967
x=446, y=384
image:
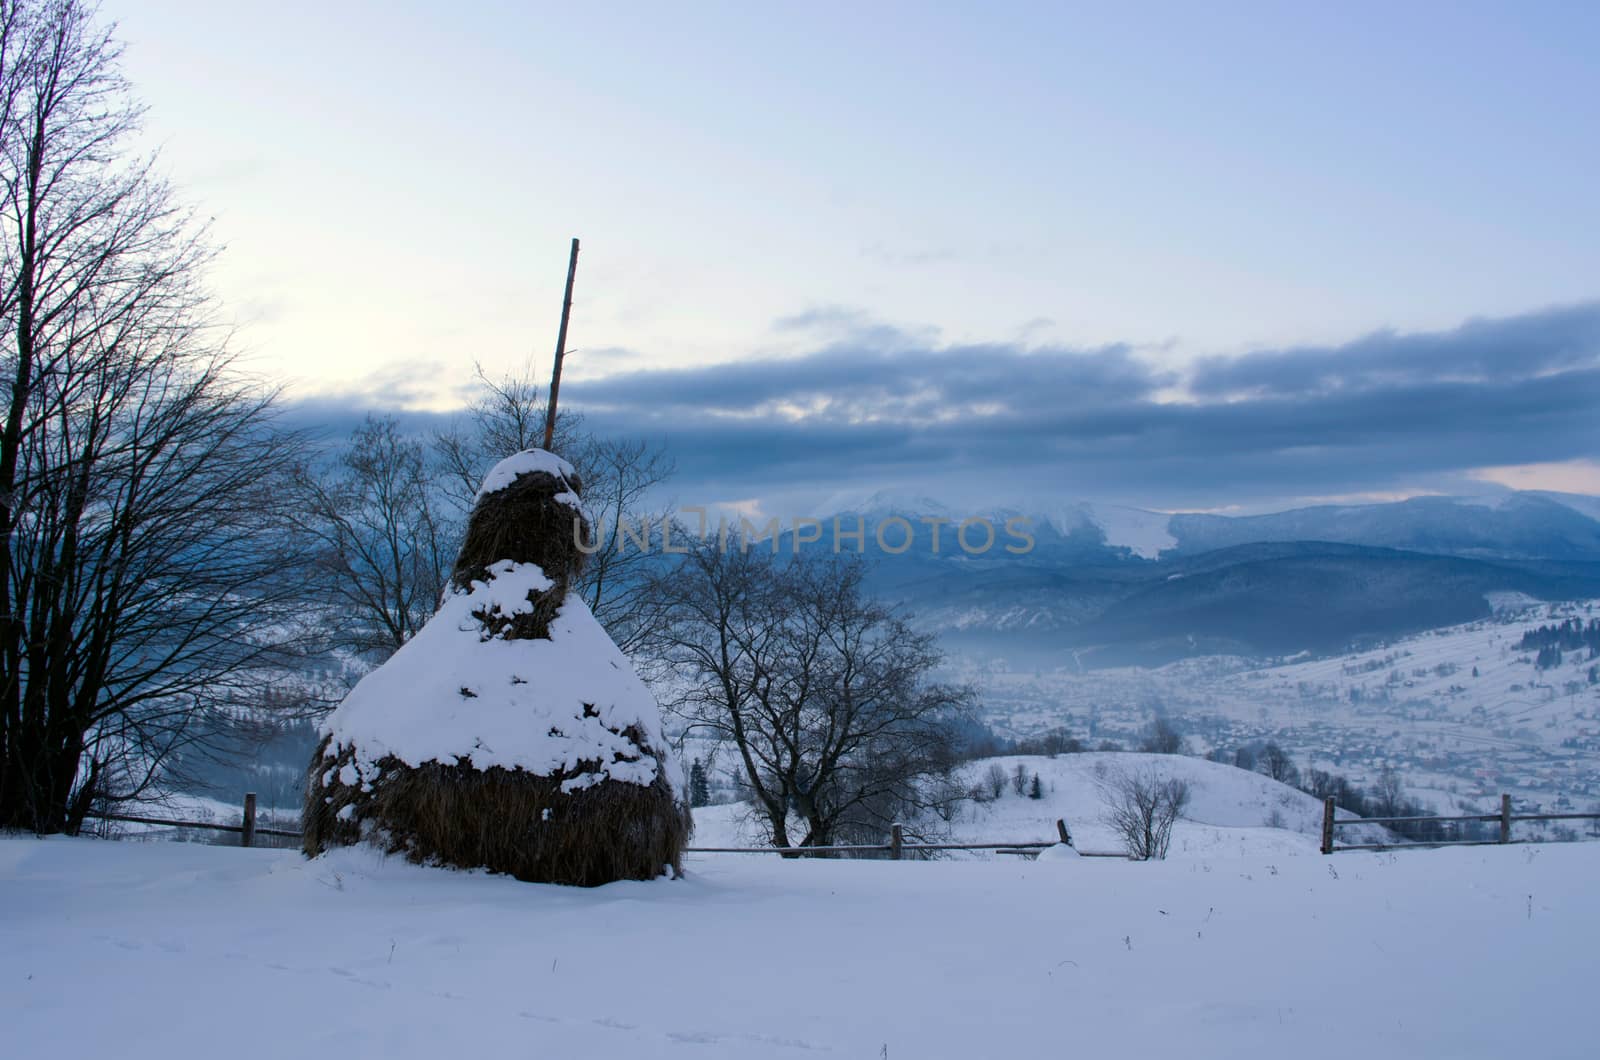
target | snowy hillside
x=1227, y=806
x=1462, y=712
x=1229, y=809
x=165, y=951
x=1142, y=533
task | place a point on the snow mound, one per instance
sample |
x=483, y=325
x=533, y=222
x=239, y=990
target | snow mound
x=1059, y=852
x=454, y=693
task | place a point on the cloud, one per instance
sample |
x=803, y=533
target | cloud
x=859, y=384
x=1481, y=351
x=332, y=418
x=1007, y=421
x=1567, y=476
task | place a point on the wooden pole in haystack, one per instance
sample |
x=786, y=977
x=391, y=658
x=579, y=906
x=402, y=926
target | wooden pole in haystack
x=561, y=349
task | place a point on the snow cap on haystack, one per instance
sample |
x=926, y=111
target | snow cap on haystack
x=510, y=733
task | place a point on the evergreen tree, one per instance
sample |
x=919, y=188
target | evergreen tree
x=699, y=788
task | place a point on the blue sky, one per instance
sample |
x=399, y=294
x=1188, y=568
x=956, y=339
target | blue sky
x=1125, y=200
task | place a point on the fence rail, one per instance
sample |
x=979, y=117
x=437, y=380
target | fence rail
x=246, y=830
x=1504, y=818
x=896, y=848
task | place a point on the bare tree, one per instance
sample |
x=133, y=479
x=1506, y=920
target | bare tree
x=1275, y=762
x=1388, y=796
x=620, y=477
x=386, y=515
x=506, y=417
x=822, y=693
x=1142, y=805
x=618, y=583
x=140, y=479
x=1163, y=738
x=381, y=538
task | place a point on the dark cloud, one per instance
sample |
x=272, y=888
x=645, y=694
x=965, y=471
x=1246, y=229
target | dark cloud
x=334, y=418
x=1010, y=422
x=855, y=383
x=1551, y=340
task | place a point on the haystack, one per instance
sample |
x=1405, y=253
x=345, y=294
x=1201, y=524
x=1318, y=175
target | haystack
x=510, y=733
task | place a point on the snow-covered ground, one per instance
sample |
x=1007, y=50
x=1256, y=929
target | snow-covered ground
x=1231, y=810
x=179, y=951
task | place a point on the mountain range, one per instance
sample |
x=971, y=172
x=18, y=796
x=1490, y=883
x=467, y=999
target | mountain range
x=1106, y=585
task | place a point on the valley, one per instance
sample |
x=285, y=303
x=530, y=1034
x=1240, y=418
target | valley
x=1461, y=713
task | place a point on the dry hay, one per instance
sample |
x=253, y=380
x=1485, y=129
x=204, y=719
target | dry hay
x=509, y=821
x=506, y=820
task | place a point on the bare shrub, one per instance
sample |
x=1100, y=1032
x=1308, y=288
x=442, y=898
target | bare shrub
x=1142, y=805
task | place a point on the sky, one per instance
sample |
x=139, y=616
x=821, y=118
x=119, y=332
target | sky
x=1183, y=256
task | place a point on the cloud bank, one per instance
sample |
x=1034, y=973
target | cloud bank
x=877, y=407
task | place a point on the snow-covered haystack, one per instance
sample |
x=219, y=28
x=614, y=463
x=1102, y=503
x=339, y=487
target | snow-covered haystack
x=510, y=733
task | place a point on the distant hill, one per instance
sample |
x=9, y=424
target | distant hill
x=1516, y=526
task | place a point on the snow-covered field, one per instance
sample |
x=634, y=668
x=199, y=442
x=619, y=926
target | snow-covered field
x=178, y=951
x=1232, y=810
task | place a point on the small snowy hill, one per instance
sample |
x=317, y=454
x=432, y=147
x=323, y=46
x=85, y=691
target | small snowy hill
x=1222, y=799
x=1229, y=808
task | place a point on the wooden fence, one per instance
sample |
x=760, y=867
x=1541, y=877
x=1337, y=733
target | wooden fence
x=1504, y=819
x=896, y=848
x=246, y=830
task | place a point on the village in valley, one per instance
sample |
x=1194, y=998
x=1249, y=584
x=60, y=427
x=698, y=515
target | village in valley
x=1462, y=713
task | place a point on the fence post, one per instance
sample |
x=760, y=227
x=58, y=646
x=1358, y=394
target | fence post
x=897, y=842
x=1327, y=825
x=1505, y=818
x=1061, y=830
x=247, y=837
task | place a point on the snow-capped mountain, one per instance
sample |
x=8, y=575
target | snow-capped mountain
x=1132, y=584
x=1506, y=526
x=1510, y=525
